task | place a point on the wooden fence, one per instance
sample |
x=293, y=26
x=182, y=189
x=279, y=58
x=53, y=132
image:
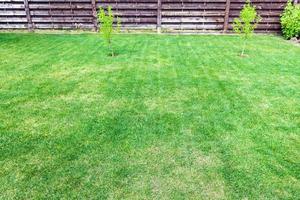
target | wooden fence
x=184, y=15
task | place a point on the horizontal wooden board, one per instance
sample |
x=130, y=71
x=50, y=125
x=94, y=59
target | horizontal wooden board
x=202, y=15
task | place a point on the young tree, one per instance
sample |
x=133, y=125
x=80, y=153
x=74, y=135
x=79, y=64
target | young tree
x=106, y=20
x=246, y=23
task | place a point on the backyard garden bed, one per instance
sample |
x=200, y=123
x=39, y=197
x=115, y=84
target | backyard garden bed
x=169, y=117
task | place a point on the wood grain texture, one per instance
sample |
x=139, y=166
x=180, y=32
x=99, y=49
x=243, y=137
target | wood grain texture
x=168, y=15
x=159, y=16
x=28, y=17
x=94, y=11
x=226, y=18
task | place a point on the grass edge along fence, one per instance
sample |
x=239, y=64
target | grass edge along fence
x=159, y=15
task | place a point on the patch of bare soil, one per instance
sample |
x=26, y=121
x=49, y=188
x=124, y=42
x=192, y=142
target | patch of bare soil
x=295, y=40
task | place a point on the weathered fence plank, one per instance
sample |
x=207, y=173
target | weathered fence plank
x=28, y=16
x=94, y=10
x=183, y=15
x=226, y=18
x=159, y=6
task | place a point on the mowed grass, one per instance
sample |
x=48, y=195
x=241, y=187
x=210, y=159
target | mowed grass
x=170, y=117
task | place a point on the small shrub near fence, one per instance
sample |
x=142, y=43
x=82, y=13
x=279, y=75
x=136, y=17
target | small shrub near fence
x=290, y=21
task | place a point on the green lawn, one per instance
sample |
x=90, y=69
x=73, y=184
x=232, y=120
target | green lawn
x=171, y=117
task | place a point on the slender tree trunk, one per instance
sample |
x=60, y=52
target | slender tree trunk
x=244, y=46
x=111, y=49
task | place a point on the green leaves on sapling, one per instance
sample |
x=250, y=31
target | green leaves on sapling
x=106, y=20
x=246, y=23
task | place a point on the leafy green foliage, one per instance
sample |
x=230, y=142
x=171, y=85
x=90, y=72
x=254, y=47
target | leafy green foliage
x=290, y=21
x=246, y=23
x=107, y=29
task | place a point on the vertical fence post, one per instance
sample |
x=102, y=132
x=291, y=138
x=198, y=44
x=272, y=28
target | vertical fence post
x=94, y=10
x=28, y=16
x=158, y=25
x=226, y=17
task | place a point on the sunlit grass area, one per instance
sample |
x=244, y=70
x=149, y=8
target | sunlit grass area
x=170, y=117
